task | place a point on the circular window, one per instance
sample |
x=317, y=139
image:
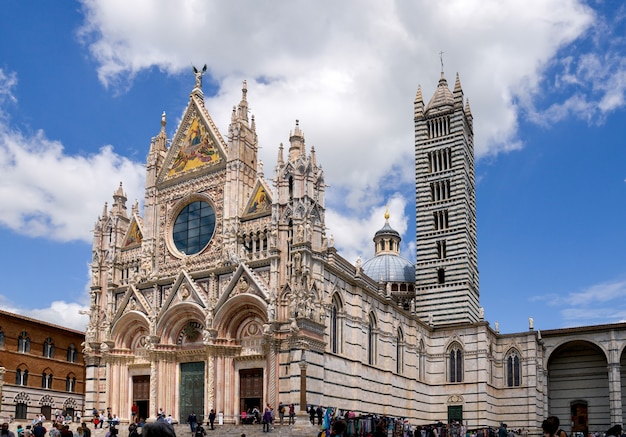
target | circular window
x=194, y=227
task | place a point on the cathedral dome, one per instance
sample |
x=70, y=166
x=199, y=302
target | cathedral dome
x=389, y=268
x=387, y=265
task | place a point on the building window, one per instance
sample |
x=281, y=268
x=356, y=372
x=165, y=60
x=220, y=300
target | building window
x=21, y=411
x=46, y=380
x=441, y=276
x=440, y=190
x=23, y=343
x=70, y=384
x=455, y=364
x=48, y=348
x=438, y=127
x=513, y=371
x=71, y=353
x=422, y=361
x=371, y=340
x=441, y=249
x=21, y=377
x=399, y=352
x=1, y=339
x=193, y=227
x=439, y=160
x=440, y=219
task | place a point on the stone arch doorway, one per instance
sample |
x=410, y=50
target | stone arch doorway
x=578, y=378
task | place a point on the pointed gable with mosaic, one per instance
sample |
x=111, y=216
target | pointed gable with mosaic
x=197, y=145
x=260, y=203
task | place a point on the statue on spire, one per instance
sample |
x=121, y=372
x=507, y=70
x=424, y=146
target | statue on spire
x=199, y=74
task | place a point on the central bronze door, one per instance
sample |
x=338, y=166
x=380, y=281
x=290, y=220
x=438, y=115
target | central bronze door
x=191, y=390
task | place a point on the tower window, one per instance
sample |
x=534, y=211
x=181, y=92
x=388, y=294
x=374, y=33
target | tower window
x=513, y=370
x=455, y=365
x=440, y=190
x=441, y=249
x=441, y=276
x=439, y=160
x=440, y=219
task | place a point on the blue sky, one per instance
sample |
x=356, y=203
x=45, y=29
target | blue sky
x=83, y=86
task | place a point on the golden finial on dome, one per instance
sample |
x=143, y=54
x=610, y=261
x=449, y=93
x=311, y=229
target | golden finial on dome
x=386, y=212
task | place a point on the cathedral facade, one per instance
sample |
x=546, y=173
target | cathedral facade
x=227, y=293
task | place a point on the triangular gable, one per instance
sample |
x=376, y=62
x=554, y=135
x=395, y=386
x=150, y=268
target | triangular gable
x=184, y=290
x=133, y=301
x=244, y=280
x=197, y=145
x=134, y=235
x=260, y=203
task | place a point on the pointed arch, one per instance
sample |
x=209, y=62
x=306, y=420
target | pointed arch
x=336, y=323
x=372, y=342
x=455, y=362
x=129, y=329
x=512, y=364
x=399, y=350
x=422, y=361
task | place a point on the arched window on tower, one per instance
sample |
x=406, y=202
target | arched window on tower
x=455, y=363
x=513, y=370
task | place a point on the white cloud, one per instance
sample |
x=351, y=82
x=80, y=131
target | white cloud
x=52, y=194
x=597, y=304
x=349, y=71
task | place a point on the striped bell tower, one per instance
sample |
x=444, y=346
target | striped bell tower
x=447, y=289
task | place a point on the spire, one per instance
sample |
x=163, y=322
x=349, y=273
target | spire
x=135, y=208
x=280, y=160
x=418, y=104
x=387, y=213
x=443, y=99
x=119, y=202
x=313, y=160
x=296, y=138
x=458, y=92
x=105, y=213
x=242, y=112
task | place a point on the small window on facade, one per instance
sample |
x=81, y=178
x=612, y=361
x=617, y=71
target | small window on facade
x=23, y=343
x=71, y=353
x=48, y=348
x=70, y=384
x=21, y=377
x=1, y=339
x=21, y=411
x=46, y=380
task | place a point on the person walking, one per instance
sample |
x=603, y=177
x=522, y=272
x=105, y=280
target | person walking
x=192, y=419
x=212, y=418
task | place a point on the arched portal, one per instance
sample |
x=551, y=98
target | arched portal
x=578, y=387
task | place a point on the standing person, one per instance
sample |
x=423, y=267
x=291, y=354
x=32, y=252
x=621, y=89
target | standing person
x=312, y=414
x=281, y=412
x=134, y=412
x=267, y=420
x=200, y=432
x=212, y=418
x=5, y=431
x=292, y=414
x=320, y=414
x=192, y=419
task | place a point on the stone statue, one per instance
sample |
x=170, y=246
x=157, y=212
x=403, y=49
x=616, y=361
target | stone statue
x=531, y=323
x=199, y=74
x=271, y=311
